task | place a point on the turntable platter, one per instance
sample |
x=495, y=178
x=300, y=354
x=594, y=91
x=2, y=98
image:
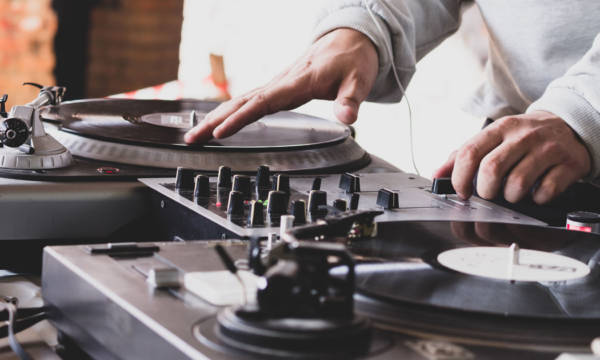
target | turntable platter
x=401, y=267
x=150, y=133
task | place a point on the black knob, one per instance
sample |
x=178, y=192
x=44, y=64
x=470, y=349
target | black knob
x=235, y=205
x=350, y=183
x=316, y=198
x=256, y=217
x=13, y=132
x=201, y=186
x=387, y=199
x=184, y=178
x=281, y=183
x=316, y=184
x=354, y=201
x=224, y=177
x=340, y=204
x=3, y=106
x=242, y=184
x=277, y=205
x=298, y=209
x=442, y=186
x=263, y=175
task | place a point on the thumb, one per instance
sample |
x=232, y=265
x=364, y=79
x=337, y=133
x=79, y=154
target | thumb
x=349, y=96
x=446, y=169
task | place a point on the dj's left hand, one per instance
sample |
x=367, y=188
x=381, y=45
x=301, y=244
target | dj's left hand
x=522, y=149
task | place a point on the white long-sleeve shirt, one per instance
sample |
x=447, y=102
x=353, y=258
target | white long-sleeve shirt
x=543, y=54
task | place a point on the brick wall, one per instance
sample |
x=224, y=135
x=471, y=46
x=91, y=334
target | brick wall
x=27, y=29
x=133, y=44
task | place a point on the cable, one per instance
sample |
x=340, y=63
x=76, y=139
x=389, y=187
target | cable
x=388, y=48
x=11, y=308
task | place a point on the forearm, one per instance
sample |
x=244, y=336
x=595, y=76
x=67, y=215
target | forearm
x=411, y=28
x=575, y=97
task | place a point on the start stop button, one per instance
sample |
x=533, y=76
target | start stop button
x=107, y=170
x=586, y=221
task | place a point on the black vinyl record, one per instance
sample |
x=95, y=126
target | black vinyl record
x=162, y=123
x=400, y=266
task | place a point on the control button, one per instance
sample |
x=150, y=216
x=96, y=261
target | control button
x=586, y=221
x=298, y=209
x=316, y=184
x=201, y=186
x=224, y=177
x=184, y=178
x=242, y=184
x=235, y=205
x=281, y=183
x=107, y=170
x=442, y=186
x=354, y=201
x=263, y=175
x=340, y=204
x=316, y=198
x=350, y=183
x=387, y=199
x=256, y=217
x=277, y=205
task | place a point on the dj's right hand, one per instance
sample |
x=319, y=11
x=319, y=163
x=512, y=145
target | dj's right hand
x=341, y=65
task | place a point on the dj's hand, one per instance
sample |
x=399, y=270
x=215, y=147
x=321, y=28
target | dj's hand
x=341, y=65
x=521, y=149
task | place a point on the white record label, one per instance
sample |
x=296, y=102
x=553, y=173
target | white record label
x=513, y=263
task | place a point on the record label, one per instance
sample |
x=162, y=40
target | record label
x=513, y=264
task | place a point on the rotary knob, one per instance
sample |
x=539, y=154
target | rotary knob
x=224, y=177
x=201, y=186
x=316, y=184
x=298, y=209
x=262, y=177
x=277, y=205
x=242, y=184
x=316, y=199
x=184, y=178
x=255, y=217
x=281, y=183
x=13, y=132
x=262, y=182
x=235, y=205
x=354, y=201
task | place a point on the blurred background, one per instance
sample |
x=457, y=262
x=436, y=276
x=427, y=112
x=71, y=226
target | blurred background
x=162, y=49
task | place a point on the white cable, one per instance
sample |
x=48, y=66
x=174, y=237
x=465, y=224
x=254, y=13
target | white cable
x=388, y=48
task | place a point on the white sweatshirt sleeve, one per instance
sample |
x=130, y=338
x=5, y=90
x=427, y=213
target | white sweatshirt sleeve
x=575, y=97
x=411, y=28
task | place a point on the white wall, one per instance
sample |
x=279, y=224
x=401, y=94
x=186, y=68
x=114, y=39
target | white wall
x=259, y=38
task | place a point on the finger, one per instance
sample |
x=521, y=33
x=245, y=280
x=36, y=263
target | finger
x=468, y=158
x=203, y=131
x=446, y=169
x=267, y=101
x=524, y=175
x=496, y=164
x=353, y=90
x=555, y=182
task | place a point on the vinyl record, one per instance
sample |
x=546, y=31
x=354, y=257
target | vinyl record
x=150, y=133
x=164, y=123
x=401, y=266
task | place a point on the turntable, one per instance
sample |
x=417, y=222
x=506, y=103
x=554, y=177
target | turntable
x=343, y=288
x=73, y=170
